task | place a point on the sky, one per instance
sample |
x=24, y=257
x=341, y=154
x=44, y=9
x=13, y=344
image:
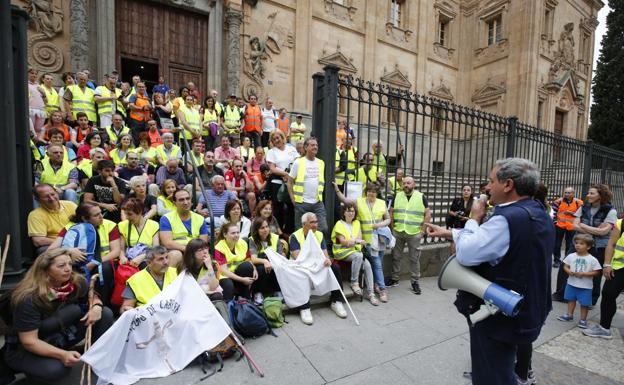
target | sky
x=600, y=31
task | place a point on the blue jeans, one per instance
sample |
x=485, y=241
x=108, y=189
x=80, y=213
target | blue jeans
x=376, y=260
x=70, y=195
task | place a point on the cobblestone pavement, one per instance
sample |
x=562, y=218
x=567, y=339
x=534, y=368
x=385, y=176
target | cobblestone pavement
x=410, y=340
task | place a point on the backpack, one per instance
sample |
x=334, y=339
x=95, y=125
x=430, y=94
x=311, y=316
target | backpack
x=122, y=273
x=273, y=311
x=84, y=237
x=248, y=319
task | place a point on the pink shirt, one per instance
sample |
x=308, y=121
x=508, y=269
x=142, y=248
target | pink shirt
x=230, y=154
x=35, y=99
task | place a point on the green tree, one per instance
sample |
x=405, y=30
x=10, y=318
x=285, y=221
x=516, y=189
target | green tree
x=607, y=111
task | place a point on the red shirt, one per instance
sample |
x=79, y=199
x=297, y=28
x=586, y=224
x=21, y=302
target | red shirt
x=221, y=260
x=237, y=182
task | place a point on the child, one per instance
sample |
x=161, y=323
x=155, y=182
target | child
x=581, y=268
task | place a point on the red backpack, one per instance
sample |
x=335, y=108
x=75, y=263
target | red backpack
x=122, y=273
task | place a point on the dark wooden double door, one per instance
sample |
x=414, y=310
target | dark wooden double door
x=173, y=39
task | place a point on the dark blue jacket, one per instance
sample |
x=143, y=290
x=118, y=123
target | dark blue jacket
x=600, y=242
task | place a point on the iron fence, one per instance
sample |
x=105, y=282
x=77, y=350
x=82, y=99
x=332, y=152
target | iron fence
x=445, y=146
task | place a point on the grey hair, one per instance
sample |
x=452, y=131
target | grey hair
x=216, y=178
x=523, y=172
x=306, y=217
x=96, y=149
x=137, y=180
x=167, y=135
x=153, y=251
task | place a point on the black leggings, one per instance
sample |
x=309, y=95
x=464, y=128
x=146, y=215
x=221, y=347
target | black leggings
x=610, y=291
x=283, y=210
x=230, y=286
x=46, y=369
x=523, y=360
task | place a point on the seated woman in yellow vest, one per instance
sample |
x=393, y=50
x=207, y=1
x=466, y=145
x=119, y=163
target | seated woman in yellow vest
x=233, y=213
x=137, y=233
x=149, y=282
x=109, y=242
x=123, y=146
x=147, y=155
x=347, y=246
x=164, y=203
x=372, y=214
x=197, y=262
x=57, y=138
x=261, y=239
x=237, y=271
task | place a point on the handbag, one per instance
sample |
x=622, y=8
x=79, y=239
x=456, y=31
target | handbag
x=282, y=194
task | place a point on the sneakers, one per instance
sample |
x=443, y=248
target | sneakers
x=416, y=288
x=339, y=309
x=383, y=295
x=306, y=316
x=529, y=381
x=372, y=299
x=598, y=331
x=582, y=324
x=392, y=283
x=258, y=299
x=557, y=298
x=565, y=318
x=357, y=290
x=556, y=264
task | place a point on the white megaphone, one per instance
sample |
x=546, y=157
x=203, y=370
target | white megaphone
x=497, y=298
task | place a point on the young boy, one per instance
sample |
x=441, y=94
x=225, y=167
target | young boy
x=581, y=268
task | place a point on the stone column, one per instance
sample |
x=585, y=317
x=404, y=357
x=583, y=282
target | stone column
x=215, y=47
x=233, y=19
x=78, y=35
x=105, y=30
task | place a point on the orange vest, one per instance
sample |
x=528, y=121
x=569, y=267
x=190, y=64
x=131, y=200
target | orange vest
x=253, y=118
x=64, y=129
x=283, y=124
x=341, y=138
x=79, y=136
x=138, y=114
x=564, y=221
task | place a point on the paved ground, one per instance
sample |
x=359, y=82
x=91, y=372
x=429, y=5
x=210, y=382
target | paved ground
x=410, y=340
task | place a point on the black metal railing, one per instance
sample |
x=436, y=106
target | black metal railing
x=445, y=146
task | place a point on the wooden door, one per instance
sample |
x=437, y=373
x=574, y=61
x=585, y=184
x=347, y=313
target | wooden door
x=174, y=39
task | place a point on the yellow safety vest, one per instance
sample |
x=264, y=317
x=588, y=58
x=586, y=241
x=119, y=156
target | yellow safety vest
x=144, y=286
x=179, y=233
x=192, y=119
x=143, y=153
x=274, y=242
x=296, y=136
x=379, y=161
x=301, y=238
x=113, y=137
x=56, y=178
x=147, y=234
x=372, y=175
x=196, y=161
x=351, y=164
x=167, y=203
x=52, y=101
x=111, y=106
x=231, y=120
x=408, y=215
x=65, y=154
x=218, y=107
x=82, y=101
x=617, y=262
x=35, y=151
x=341, y=251
x=233, y=258
x=119, y=161
x=340, y=176
x=86, y=166
x=103, y=230
x=175, y=150
x=394, y=187
x=368, y=218
x=299, y=180
x=209, y=117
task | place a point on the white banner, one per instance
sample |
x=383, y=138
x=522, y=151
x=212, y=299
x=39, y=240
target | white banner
x=159, y=338
x=305, y=276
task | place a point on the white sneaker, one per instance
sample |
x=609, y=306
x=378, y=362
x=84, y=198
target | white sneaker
x=339, y=309
x=306, y=316
x=258, y=299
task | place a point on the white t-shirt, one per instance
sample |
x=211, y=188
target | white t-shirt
x=281, y=159
x=268, y=120
x=584, y=264
x=311, y=180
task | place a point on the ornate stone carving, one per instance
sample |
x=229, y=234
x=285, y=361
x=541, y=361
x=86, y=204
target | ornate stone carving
x=45, y=17
x=441, y=91
x=564, y=57
x=396, y=78
x=338, y=59
x=443, y=52
x=343, y=12
x=79, y=34
x=233, y=19
x=44, y=55
x=188, y=3
x=588, y=24
x=492, y=50
x=398, y=34
x=489, y=91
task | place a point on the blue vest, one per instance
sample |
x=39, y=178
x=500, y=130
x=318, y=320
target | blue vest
x=525, y=269
x=600, y=242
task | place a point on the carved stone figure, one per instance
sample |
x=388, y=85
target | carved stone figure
x=566, y=44
x=45, y=17
x=79, y=34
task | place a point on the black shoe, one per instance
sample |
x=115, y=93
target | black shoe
x=416, y=288
x=556, y=264
x=557, y=298
x=392, y=283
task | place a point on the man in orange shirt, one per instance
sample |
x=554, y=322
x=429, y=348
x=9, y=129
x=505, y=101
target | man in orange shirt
x=253, y=121
x=283, y=123
x=140, y=111
x=564, y=209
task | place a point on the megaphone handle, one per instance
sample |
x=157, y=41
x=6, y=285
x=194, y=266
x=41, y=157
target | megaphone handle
x=484, y=311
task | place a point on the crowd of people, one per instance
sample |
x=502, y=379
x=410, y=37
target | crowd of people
x=160, y=176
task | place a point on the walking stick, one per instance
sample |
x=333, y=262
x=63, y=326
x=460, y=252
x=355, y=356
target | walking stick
x=247, y=355
x=86, y=368
x=5, y=253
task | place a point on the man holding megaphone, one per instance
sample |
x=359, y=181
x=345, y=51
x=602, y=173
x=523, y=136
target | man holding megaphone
x=512, y=250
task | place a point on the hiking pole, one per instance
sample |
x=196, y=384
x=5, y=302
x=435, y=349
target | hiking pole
x=5, y=253
x=86, y=368
x=247, y=355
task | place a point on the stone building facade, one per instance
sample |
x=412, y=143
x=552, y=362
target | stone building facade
x=529, y=58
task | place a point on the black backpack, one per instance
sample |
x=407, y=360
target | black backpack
x=247, y=319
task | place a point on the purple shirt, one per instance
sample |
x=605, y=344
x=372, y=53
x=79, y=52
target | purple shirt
x=163, y=174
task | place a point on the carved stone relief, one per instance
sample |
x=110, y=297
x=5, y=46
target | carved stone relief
x=344, y=12
x=564, y=57
x=490, y=94
x=443, y=52
x=46, y=20
x=233, y=19
x=78, y=34
x=396, y=78
x=337, y=58
x=442, y=91
x=493, y=50
x=397, y=34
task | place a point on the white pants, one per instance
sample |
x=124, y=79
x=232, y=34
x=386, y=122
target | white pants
x=106, y=120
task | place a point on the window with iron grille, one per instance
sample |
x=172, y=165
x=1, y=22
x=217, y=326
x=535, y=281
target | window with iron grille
x=495, y=29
